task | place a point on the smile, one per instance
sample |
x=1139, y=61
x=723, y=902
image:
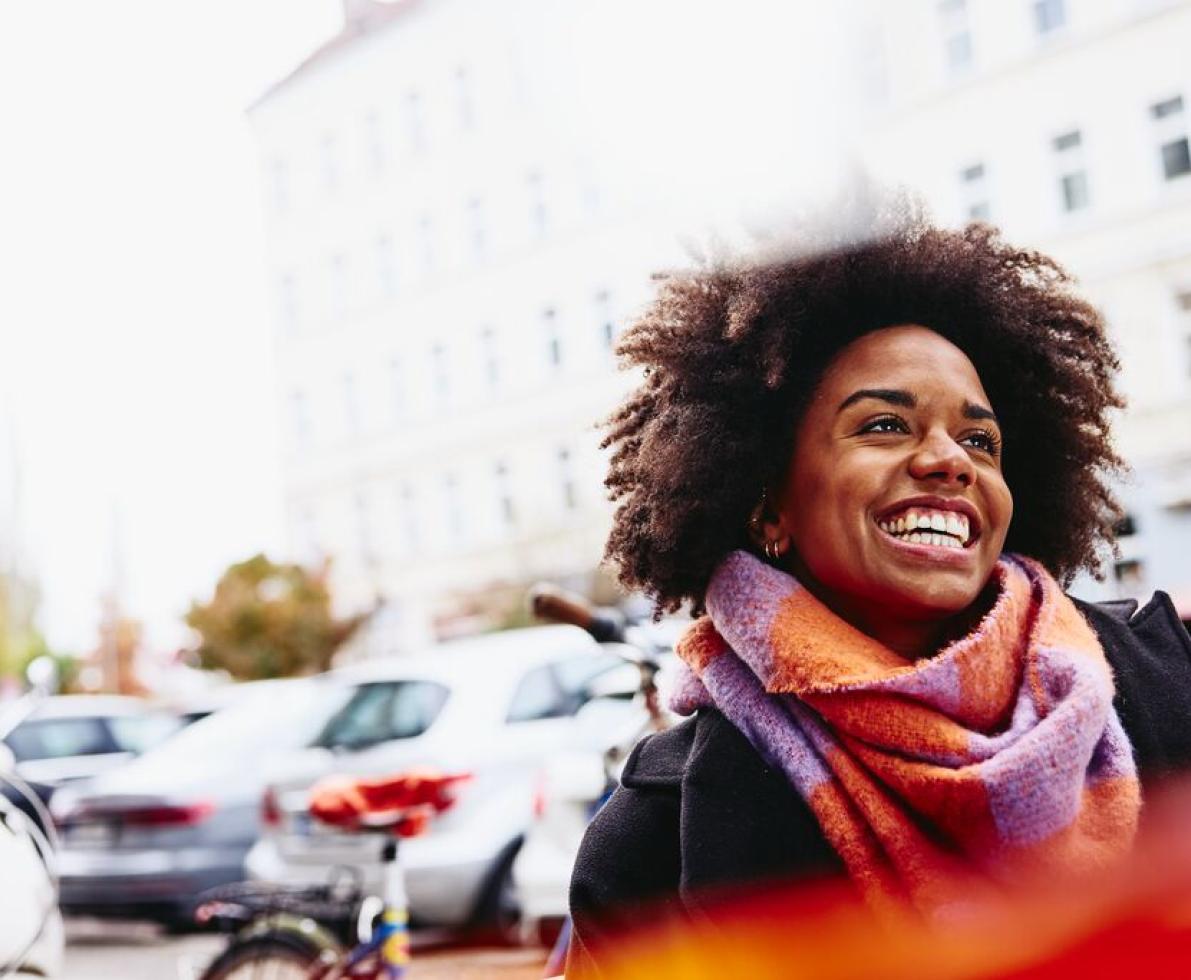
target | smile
x=929, y=526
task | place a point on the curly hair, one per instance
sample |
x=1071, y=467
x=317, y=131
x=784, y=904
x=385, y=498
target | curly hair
x=732, y=353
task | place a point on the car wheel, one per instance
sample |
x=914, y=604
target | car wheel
x=499, y=913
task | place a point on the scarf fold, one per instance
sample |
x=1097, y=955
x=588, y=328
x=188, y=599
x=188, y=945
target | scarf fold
x=998, y=757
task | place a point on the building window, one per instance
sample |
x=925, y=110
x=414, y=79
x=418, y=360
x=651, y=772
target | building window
x=397, y=389
x=566, y=479
x=300, y=414
x=330, y=165
x=364, y=539
x=426, y=241
x=537, y=203
x=279, y=186
x=386, y=264
x=553, y=340
x=287, y=303
x=440, y=378
x=1073, y=175
x=463, y=98
x=1170, y=124
x=475, y=225
x=338, y=285
x=306, y=528
x=415, y=125
x=974, y=202
x=504, y=495
x=490, y=354
x=957, y=35
x=374, y=143
x=1130, y=574
x=1049, y=15
x=1184, y=312
x=351, y=404
x=607, y=326
x=1126, y=527
x=454, y=506
x=411, y=529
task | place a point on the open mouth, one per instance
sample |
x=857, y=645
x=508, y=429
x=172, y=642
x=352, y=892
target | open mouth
x=931, y=526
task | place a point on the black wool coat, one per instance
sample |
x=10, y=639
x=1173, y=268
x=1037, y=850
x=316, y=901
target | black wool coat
x=698, y=811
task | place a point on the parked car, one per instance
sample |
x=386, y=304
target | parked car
x=142, y=841
x=573, y=782
x=494, y=706
x=56, y=740
x=31, y=935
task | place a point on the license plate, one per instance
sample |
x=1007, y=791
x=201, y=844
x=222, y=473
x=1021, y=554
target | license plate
x=305, y=826
x=91, y=834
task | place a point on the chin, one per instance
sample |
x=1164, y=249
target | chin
x=933, y=600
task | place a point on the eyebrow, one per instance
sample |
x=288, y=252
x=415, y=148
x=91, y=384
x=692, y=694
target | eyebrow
x=904, y=399
x=894, y=396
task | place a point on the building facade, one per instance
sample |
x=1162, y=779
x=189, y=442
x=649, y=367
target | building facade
x=1066, y=124
x=450, y=271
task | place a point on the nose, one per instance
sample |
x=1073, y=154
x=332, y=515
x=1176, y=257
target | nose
x=940, y=458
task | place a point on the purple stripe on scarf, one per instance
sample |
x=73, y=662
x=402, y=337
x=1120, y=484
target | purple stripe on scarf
x=765, y=722
x=743, y=598
x=1035, y=785
x=935, y=683
x=1113, y=756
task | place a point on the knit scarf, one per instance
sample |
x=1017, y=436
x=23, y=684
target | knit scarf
x=999, y=757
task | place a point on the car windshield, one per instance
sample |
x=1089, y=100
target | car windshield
x=286, y=714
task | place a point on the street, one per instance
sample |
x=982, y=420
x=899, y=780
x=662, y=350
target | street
x=99, y=950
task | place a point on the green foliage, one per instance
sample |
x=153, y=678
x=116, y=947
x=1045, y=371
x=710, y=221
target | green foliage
x=20, y=640
x=267, y=620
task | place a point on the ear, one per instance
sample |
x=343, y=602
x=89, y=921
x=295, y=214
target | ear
x=765, y=524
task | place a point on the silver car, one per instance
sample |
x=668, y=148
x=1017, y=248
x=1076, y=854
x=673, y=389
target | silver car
x=494, y=706
x=143, y=840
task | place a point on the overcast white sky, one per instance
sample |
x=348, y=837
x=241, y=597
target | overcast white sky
x=135, y=352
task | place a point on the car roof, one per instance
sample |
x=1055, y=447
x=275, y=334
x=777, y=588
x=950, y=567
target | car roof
x=90, y=706
x=494, y=655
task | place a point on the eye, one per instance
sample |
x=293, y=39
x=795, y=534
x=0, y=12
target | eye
x=984, y=440
x=886, y=423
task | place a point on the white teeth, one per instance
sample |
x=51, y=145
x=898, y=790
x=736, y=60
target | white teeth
x=942, y=529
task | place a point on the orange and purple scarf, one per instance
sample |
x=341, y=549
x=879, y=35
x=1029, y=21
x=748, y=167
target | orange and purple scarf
x=999, y=756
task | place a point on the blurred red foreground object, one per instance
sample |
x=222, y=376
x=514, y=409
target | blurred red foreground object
x=404, y=802
x=1133, y=920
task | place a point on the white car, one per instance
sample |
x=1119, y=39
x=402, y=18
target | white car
x=494, y=706
x=31, y=936
x=67, y=737
x=575, y=780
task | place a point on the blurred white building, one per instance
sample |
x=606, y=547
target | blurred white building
x=1066, y=123
x=449, y=269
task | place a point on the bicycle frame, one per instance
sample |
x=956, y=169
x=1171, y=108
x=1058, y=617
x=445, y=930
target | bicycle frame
x=389, y=942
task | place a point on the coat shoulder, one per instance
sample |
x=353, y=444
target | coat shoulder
x=1150, y=655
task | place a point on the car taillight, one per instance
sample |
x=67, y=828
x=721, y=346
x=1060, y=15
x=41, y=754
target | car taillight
x=539, y=796
x=179, y=815
x=270, y=809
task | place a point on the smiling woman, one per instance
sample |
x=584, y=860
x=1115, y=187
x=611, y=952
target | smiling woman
x=868, y=472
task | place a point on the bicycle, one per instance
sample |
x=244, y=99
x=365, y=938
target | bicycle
x=615, y=634
x=330, y=931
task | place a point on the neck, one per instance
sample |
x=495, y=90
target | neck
x=914, y=639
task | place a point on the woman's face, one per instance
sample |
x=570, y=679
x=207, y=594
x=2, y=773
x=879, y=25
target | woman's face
x=894, y=501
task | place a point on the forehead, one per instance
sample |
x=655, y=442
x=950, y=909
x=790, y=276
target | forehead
x=908, y=356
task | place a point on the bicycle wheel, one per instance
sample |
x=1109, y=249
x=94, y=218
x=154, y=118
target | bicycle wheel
x=270, y=957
